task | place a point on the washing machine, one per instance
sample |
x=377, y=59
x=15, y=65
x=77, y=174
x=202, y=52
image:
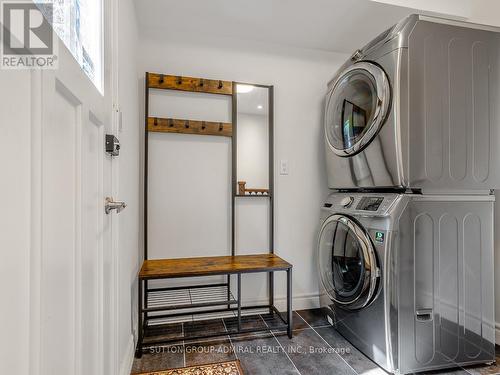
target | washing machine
x=408, y=278
x=417, y=108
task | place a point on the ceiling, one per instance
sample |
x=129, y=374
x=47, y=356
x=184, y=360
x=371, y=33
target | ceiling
x=332, y=25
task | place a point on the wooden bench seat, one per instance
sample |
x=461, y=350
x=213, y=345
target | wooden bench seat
x=207, y=266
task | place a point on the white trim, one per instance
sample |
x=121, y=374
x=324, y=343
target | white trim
x=300, y=301
x=497, y=333
x=110, y=86
x=128, y=359
x=36, y=224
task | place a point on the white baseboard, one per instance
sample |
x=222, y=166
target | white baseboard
x=299, y=302
x=128, y=358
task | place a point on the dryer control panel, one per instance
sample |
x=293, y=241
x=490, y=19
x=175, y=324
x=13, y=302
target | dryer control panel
x=361, y=203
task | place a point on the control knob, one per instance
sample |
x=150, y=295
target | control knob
x=346, y=201
x=357, y=55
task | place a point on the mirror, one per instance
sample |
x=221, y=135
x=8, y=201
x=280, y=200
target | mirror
x=253, y=124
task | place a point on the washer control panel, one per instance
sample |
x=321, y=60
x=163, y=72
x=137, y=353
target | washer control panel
x=346, y=201
x=361, y=203
x=369, y=203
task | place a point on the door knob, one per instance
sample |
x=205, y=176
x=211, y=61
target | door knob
x=113, y=205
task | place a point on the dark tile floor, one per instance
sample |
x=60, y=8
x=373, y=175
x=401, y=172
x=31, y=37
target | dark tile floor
x=316, y=348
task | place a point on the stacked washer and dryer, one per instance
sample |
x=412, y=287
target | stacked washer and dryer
x=405, y=255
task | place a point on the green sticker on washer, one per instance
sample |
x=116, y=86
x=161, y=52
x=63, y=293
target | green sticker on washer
x=379, y=236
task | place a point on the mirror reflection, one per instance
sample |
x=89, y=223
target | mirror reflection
x=253, y=140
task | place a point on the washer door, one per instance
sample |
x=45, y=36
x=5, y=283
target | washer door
x=347, y=263
x=357, y=107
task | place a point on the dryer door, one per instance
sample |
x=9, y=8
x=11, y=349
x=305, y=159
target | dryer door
x=357, y=106
x=347, y=263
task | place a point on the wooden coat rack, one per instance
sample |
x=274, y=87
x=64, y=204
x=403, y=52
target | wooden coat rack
x=209, y=86
x=186, y=126
x=171, y=125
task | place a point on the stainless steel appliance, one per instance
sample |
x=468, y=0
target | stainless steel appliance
x=417, y=108
x=408, y=278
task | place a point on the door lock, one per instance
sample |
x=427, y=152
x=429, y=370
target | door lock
x=113, y=205
x=112, y=145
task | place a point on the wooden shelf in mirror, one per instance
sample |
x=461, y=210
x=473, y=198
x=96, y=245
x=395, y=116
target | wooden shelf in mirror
x=244, y=191
x=253, y=195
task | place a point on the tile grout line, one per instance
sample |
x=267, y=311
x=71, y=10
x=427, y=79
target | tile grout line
x=279, y=343
x=183, y=346
x=326, y=342
x=184, y=340
x=230, y=341
x=463, y=368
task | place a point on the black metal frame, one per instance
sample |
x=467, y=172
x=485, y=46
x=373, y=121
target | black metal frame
x=144, y=289
x=269, y=196
x=144, y=318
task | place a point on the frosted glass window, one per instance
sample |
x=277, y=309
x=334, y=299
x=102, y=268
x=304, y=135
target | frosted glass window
x=78, y=23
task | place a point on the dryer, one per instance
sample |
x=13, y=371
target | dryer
x=417, y=108
x=408, y=278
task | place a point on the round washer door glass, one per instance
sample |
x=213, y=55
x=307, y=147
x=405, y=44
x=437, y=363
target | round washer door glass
x=357, y=107
x=347, y=263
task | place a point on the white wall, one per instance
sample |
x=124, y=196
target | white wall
x=188, y=179
x=486, y=12
x=455, y=8
x=128, y=182
x=188, y=190
x=299, y=78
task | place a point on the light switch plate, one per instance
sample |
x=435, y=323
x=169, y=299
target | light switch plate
x=284, y=169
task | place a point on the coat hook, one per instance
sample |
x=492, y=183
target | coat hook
x=220, y=126
x=179, y=80
x=203, y=126
x=156, y=121
x=186, y=124
x=220, y=84
x=161, y=80
x=170, y=122
x=201, y=82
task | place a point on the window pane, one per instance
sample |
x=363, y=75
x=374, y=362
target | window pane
x=79, y=25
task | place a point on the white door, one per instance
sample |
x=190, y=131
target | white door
x=76, y=233
x=60, y=266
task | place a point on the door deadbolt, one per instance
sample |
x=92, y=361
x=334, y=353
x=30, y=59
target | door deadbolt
x=112, y=145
